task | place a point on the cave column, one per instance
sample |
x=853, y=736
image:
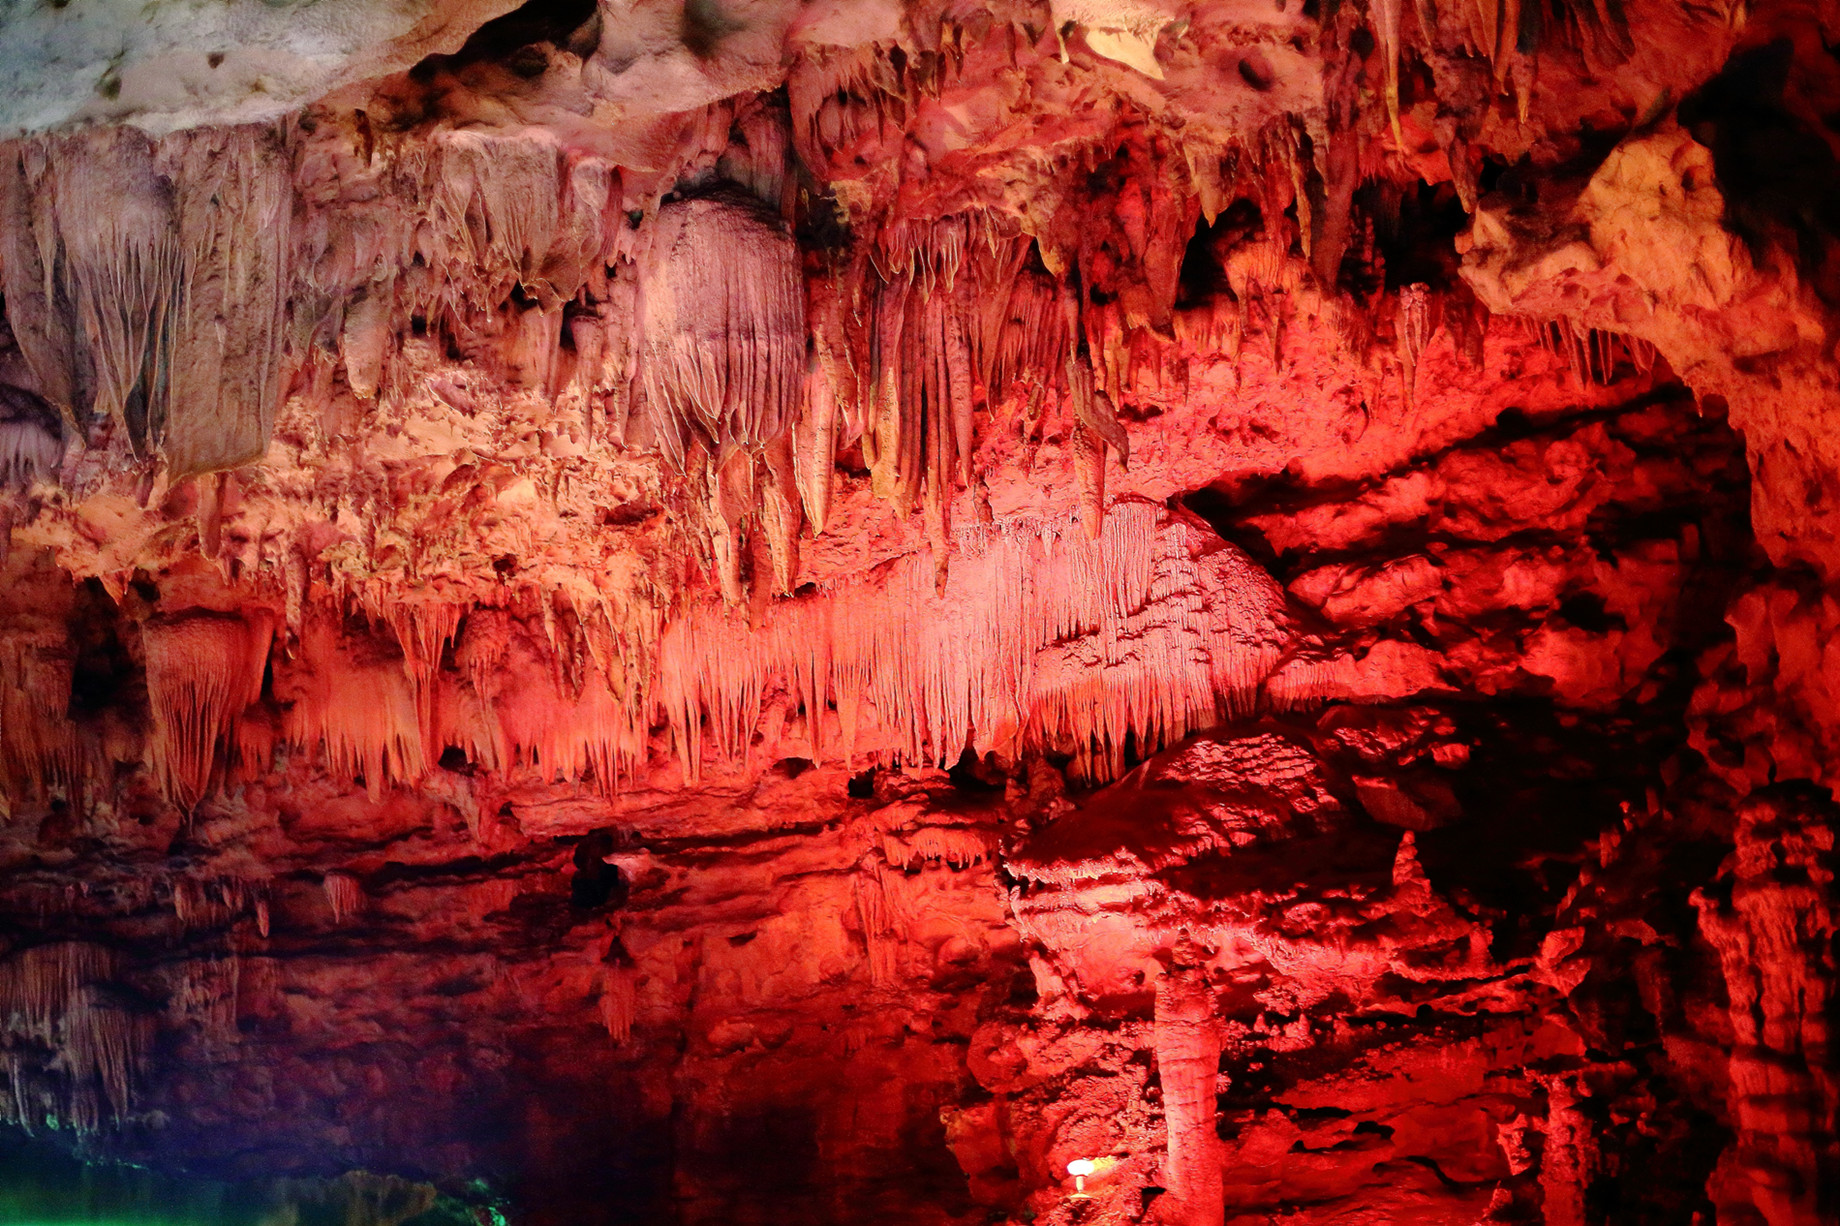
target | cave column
x=1188, y=1063
x=1772, y=917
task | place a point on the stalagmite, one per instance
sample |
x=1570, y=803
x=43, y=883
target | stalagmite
x=1772, y=918
x=1188, y=1064
x=1412, y=331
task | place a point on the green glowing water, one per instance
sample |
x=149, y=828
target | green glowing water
x=41, y=1185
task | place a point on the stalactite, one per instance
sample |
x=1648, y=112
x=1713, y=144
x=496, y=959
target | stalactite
x=518, y=715
x=31, y=438
x=344, y=895
x=365, y=341
x=830, y=93
x=232, y=207
x=781, y=511
x=1387, y=30
x=959, y=847
x=425, y=629
x=513, y=211
x=722, y=326
x=355, y=704
x=1593, y=353
x=1084, y=656
x=206, y=903
x=203, y=669
x=1089, y=476
x=931, y=333
x=815, y=449
x=48, y=995
x=619, y=1001
x=882, y=913
x=554, y=733
x=146, y=280
x=38, y=745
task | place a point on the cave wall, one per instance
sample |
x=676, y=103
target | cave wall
x=784, y=612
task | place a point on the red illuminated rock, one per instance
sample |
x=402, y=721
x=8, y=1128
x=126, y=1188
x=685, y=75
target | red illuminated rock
x=806, y=613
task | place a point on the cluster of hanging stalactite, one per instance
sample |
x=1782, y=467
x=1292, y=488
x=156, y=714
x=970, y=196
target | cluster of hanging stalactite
x=1125, y=641
x=562, y=273
x=1035, y=641
x=56, y=1013
x=39, y=747
x=181, y=285
x=203, y=671
x=146, y=281
x=1593, y=353
x=1038, y=639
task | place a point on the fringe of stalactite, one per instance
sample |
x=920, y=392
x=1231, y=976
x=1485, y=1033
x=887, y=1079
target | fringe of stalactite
x=508, y=718
x=355, y=706
x=233, y=213
x=147, y=280
x=882, y=912
x=1038, y=638
x=472, y=217
x=721, y=361
x=1593, y=353
x=343, y=895
x=721, y=325
x=957, y=846
x=31, y=440
x=211, y=902
x=905, y=335
x=207, y=995
x=837, y=96
x=538, y=705
x=38, y=743
x=619, y=1001
x=203, y=670
x=48, y=996
x=584, y=622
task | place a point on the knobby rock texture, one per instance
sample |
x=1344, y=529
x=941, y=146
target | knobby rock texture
x=815, y=611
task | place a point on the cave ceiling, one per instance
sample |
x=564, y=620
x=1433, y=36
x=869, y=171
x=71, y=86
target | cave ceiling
x=692, y=611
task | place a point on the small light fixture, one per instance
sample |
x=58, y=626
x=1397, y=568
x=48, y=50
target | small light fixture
x=1080, y=1168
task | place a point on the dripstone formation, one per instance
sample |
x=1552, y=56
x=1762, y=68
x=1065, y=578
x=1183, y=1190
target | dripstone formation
x=692, y=612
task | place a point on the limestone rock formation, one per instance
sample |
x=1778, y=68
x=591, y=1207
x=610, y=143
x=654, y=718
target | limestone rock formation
x=1078, y=612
